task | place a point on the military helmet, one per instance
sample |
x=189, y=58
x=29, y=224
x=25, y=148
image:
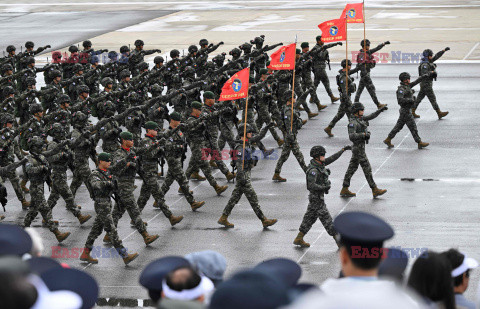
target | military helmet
x=29, y=60
x=77, y=67
x=344, y=62
x=209, y=66
x=158, y=59
x=317, y=151
x=203, y=42
x=142, y=66
x=124, y=49
x=87, y=44
x=124, y=73
x=241, y=128
x=29, y=81
x=8, y=91
x=366, y=42
x=139, y=43
x=57, y=130
x=192, y=49
x=318, y=38
x=219, y=59
x=235, y=52
x=94, y=59
x=112, y=54
x=174, y=53
x=188, y=70
x=403, y=76
x=63, y=98
x=357, y=106
x=82, y=89
x=55, y=73
x=35, y=144
x=258, y=40
x=108, y=106
x=105, y=81
x=7, y=67
x=427, y=53
x=304, y=45
x=35, y=108
x=29, y=44
x=73, y=49
x=10, y=48
x=246, y=47
x=156, y=90
x=79, y=118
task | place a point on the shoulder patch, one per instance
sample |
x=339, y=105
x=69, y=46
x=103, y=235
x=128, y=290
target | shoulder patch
x=313, y=173
x=350, y=125
x=401, y=91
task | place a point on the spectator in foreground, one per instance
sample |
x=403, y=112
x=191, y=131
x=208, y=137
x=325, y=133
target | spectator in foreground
x=37, y=242
x=430, y=277
x=209, y=263
x=461, y=266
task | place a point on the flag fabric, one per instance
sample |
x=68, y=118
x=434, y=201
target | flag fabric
x=354, y=13
x=236, y=87
x=333, y=30
x=283, y=58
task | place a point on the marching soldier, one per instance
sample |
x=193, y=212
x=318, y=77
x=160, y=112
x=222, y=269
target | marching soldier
x=406, y=100
x=359, y=135
x=244, y=160
x=320, y=60
x=318, y=185
x=427, y=66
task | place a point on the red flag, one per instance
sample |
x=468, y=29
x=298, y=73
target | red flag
x=333, y=30
x=283, y=58
x=354, y=13
x=236, y=87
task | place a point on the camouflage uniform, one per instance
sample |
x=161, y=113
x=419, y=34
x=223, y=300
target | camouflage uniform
x=357, y=131
x=320, y=60
x=264, y=97
x=8, y=149
x=243, y=184
x=227, y=122
x=345, y=100
x=366, y=62
x=100, y=183
x=291, y=144
x=426, y=86
x=37, y=171
x=125, y=176
x=150, y=153
x=406, y=100
x=174, y=150
x=82, y=147
x=109, y=134
x=318, y=185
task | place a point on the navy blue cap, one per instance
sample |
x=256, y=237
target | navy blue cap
x=394, y=264
x=250, y=289
x=14, y=240
x=362, y=228
x=73, y=280
x=286, y=270
x=42, y=264
x=153, y=275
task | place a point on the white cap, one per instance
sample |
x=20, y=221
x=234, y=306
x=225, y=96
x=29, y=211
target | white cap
x=205, y=286
x=468, y=263
x=53, y=300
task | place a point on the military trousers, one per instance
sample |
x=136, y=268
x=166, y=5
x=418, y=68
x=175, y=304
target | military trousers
x=317, y=210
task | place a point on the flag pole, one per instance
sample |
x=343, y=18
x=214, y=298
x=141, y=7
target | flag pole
x=364, y=36
x=293, y=84
x=245, y=123
x=346, y=52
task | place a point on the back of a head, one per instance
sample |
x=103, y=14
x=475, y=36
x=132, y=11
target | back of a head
x=185, y=284
x=183, y=278
x=16, y=291
x=430, y=277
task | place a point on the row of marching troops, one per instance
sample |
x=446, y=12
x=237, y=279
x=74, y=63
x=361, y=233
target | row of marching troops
x=59, y=126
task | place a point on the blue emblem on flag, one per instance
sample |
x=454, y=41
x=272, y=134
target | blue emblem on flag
x=333, y=30
x=352, y=13
x=237, y=85
x=282, y=57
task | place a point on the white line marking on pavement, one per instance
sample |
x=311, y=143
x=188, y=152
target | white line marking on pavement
x=351, y=199
x=471, y=51
x=160, y=213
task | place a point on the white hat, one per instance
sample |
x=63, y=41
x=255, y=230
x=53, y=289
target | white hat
x=468, y=263
x=53, y=300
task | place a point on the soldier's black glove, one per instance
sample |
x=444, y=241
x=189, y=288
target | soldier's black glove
x=47, y=46
x=339, y=43
x=221, y=43
x=367, y=135
x=384, y=108
x=386, y=43
x=447, y=48
x=347, y=147
x=158, y=50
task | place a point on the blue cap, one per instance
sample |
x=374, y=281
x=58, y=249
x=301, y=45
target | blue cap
x=394, y=264
x=42, y=264
x=73, y=280
x=286, y=270
x=153, y=275
x=360, y=228
x=250, y=289
x=210, y=263
x=14, y=240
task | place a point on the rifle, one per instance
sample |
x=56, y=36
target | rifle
x=114, y=194
x=48, y=176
